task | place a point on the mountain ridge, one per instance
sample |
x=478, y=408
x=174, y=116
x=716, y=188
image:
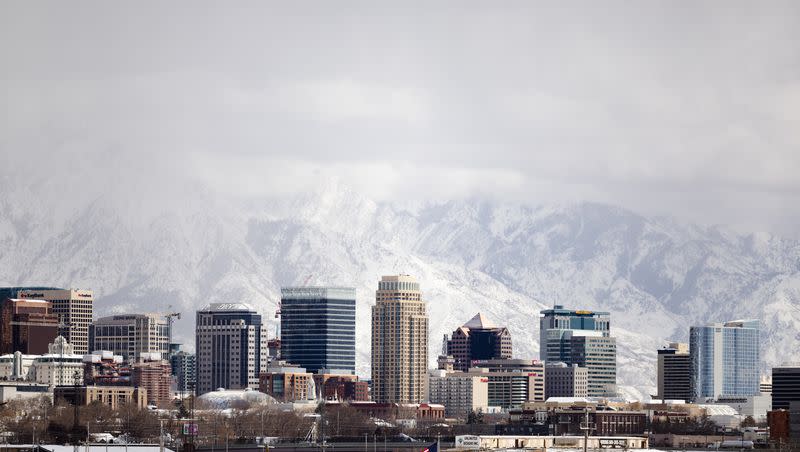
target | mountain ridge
x=506, y=260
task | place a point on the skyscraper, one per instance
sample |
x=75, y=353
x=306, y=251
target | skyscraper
x=184, y=367
x=478, y=339
x=399, y=341
x=583, y=338
x=318, y=327
x=231, y=347
x=725, y=359
x=785, y=386
x=674, y=373
x=74, y=310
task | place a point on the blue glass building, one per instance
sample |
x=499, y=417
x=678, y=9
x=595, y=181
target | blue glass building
x=725, y=359
x=318, y=327
x=582, y=338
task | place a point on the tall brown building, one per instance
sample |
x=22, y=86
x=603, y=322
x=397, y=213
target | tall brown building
x=155, y=376
x=74, y=310
x=478, y=340
x=399, y=341
x=26, y=326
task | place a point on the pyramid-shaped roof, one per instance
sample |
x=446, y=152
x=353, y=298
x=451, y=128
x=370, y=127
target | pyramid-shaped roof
x=480, y=322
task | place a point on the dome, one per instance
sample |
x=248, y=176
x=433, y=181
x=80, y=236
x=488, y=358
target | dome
x=224, y=399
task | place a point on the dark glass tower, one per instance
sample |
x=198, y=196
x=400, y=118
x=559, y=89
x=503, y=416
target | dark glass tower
x=318, y=327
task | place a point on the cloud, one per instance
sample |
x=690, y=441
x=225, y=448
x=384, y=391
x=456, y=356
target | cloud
x=657, y=107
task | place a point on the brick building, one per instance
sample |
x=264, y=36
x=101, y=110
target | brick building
x=27, y=326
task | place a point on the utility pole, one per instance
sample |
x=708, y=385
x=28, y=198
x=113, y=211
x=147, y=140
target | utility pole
x=585, y=429
x=161, y=435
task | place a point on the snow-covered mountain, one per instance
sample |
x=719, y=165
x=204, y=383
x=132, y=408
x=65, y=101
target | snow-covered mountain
x=656, y=276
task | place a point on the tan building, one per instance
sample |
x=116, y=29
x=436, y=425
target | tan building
x=563, y=380
x=399, y=341
x=131, y=335
x=74, y=310
x=459, y=392
x=287, y=383
x=113, y=396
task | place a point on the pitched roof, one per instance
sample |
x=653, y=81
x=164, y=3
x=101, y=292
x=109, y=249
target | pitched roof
x=480, y=321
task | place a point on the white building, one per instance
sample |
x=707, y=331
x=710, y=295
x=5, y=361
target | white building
x=231, y=345
x=459, y=392
x=59, y=367
x=15, y=366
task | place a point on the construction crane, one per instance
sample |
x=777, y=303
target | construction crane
x=170, y=319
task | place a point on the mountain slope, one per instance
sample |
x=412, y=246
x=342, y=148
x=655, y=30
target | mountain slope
x=656, y=276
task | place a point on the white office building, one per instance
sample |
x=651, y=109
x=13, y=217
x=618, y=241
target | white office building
x=131, y=335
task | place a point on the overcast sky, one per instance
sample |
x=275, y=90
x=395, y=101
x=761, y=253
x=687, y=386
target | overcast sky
x=689, y=109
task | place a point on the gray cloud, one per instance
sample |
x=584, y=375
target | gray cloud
x=668, y=108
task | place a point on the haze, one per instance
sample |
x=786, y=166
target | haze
x=671, y=108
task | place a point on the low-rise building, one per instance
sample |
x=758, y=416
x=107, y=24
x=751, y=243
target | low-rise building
x=562, y=380
x=113, y=396
x=16, y=390
x=512, y=382
x=287, y=383
x=60, y=366
x=459, y=392
x=345, y=389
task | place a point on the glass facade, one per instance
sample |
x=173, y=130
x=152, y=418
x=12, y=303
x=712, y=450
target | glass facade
x=583, y=338
x=318, y=327
x=725, y=359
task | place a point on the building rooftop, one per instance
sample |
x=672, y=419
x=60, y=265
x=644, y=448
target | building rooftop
x=480, y=322
x=228, y=307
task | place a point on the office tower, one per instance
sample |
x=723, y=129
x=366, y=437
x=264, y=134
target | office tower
x=562, y=380
x=399, y=341
x=512, y=382
x=26, y=326
x=459, y=392
x=318, y=328
x=725, y=359
x=583, y=338
x=184, y=366
x=131, y=335
x=74, y=310
x=231, y=346
x=674, y=373
x=478, y=339
x=785, y=386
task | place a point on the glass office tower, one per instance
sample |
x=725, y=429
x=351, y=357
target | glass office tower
x=318, y=327
x=583, y=338
x=725, y=359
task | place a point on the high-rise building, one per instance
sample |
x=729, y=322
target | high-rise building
x=562, y=380
x=231, y=345
x=674, y=372
x=478, y=339
x=74, y=310
x=399, y=341
x=583, y=338
x=785, y=386
x=512, y=382
x=318, y=327
x=184, y=366
x=131, y=335
x=725, y=359
x=26, y=326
